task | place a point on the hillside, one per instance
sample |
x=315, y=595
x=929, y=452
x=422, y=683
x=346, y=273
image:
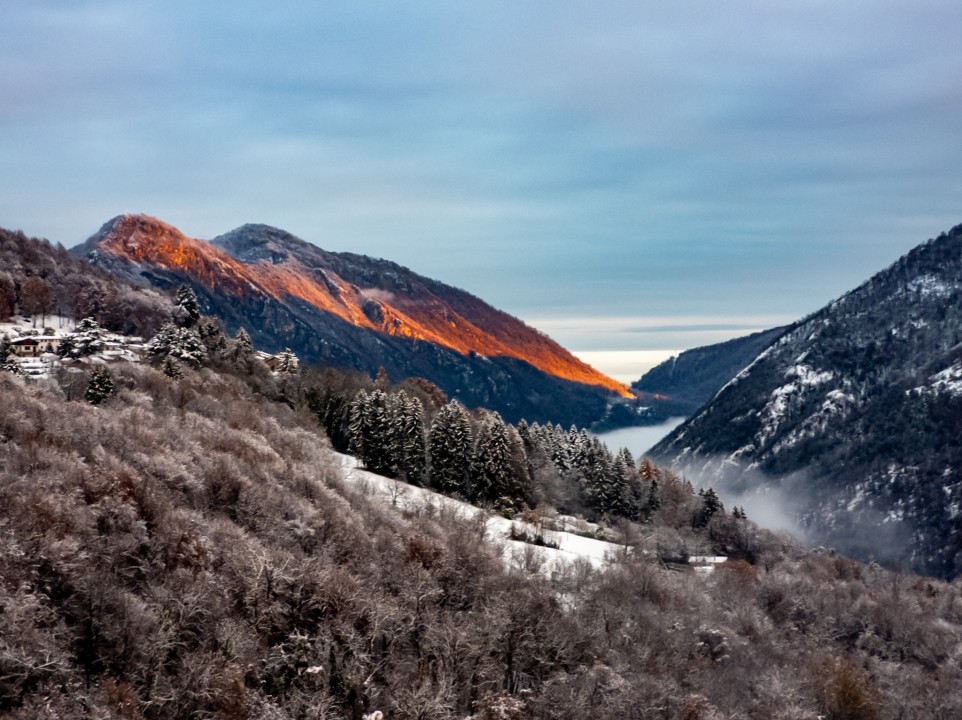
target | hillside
x=190, y=548
x=40, y=280
x=855, y=416
x=685, y=382
x=356, y=312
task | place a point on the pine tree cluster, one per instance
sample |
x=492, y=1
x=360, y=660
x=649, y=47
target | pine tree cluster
x=86, y=339
x=479, y=457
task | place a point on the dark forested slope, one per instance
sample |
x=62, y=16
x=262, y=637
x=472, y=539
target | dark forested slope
x=856, y=413
x=682, y=384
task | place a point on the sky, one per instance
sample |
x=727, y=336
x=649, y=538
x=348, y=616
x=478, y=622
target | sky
x=632, y=178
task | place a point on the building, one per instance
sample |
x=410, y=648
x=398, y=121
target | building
x=33, y=346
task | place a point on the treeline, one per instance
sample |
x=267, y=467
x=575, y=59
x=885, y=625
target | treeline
x=38, y=279
x=476, y=456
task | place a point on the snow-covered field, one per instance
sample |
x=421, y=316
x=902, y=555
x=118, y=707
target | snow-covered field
x=17, y=326
x=571, y=547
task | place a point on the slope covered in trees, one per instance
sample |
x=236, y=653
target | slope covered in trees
x=38, y=279
x=685, y=382
x=356, y=312
x=855, y=417
x=186, y=548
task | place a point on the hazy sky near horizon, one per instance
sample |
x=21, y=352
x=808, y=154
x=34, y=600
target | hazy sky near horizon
x=627, y=176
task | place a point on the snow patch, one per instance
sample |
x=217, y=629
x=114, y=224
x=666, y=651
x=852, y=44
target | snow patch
x=930, y=286
x=802, y=380
x=571, y=547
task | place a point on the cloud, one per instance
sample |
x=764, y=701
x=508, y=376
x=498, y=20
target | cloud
x=377, y=294
x=664, y=335
x=773, y=503
x=669, y=158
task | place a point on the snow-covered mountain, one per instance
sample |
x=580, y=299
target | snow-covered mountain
x=854, y=416
x=358, y=312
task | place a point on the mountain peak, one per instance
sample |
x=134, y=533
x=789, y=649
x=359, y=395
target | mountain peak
x=855, y=413
x=346, y=309
x=252, y=242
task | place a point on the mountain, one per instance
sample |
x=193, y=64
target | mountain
x=685, y=382
x=363, y=313
x=854, y=415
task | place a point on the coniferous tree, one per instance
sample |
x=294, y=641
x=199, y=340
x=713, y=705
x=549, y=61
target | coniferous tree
x=622, y=500
x=287, y=362
x=491, y=477
x=449, y=449
x=358, y=425
x=372, y=432
x=711, y=505
x=409, y=442
x=7, y=362
x=243, y=342
x=100, y=387
x=85, y=340
x=212, y=335
x=186, y=308
x=519, y=467
x=596, y=466
x=652, y=502
x=183, y=344
x=171, y=368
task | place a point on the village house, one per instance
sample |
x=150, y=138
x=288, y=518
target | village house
x=705, y=563
x=273, y=361
x=33, y=346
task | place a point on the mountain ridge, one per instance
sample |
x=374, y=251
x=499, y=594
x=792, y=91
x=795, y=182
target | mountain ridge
x=685, y=382
x=350, y=310
x=855, y=414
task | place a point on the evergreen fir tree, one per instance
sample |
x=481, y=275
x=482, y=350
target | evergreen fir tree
x=595, y=463
x=357, y=426
x=449, y=449
x=243, y=345
x=490, y=471
x=524, y=432
x=182, y=344
x=186, y=307
x=711, y=505
x=409, y=442
x=86, y=339
x=287, y=362
x=100, y=387
x=519, y=467
x=372, y=433
x=621, y=493
x=653, y=501
x=210, y=332
x=171, y=368
x=7, y=362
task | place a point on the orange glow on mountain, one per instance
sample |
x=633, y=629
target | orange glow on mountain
x=145, y=240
